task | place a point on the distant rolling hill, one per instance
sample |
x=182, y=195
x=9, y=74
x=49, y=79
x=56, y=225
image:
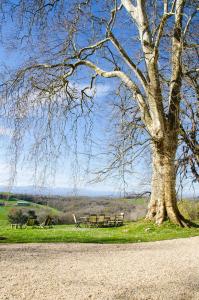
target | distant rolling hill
x=83, y=205
x=55, y=191
x=40, y=210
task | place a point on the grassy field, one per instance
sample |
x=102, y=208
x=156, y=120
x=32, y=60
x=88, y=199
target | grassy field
x=131, y=232
x=140, y=231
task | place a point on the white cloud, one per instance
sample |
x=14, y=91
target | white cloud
x=102, y=90
x=99, y=90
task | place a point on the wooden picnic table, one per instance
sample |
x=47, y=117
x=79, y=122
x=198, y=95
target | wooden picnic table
x=101, y=220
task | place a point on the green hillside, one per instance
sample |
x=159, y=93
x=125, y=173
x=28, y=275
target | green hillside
x=12, y=204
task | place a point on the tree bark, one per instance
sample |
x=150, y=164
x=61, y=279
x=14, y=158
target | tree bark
x=163, y=202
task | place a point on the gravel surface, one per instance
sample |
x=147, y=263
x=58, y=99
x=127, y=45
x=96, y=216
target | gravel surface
x=160, y=270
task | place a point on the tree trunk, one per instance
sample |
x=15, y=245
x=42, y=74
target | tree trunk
x=163, y=202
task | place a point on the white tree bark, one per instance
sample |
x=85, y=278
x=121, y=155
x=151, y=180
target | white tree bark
x=163, y=129
x=163, y=201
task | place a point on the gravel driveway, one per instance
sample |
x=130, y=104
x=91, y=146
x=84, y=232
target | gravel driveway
x=159, y=270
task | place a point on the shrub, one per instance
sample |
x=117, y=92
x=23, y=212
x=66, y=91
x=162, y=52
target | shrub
x=32, y=214
x=189, y=209
x=17, y=216
x=65, y=218
x=43, y=215
x=32, y=218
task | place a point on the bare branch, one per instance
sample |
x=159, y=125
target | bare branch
x=91, y=47
x=130, y=8
x=189, y=22
x=175, y=84
x=127, y=59
x=161, y=30
x=165, y=6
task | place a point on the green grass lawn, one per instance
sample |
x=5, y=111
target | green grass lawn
x=141, y=231
x=132, y=232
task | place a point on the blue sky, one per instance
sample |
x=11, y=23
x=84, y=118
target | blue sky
x=65, y=174
x=71, y=174
x=68, y=172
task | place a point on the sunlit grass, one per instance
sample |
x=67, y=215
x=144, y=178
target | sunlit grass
x=133, y=232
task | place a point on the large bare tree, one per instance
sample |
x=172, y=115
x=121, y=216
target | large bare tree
x=141, y=44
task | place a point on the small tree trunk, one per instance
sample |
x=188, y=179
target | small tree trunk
x=163, y=202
